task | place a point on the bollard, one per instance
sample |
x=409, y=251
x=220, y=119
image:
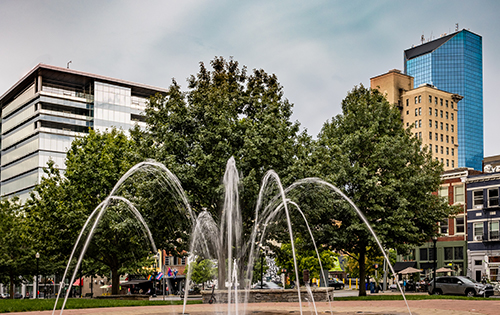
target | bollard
x=350, y=283
x=356, y=283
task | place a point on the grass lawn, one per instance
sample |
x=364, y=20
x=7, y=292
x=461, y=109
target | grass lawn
x=7, y=305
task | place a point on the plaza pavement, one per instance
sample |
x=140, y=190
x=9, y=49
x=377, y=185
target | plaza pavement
x=420, y=307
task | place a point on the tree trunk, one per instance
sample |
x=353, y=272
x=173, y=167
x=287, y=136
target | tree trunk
x=11, y=289
x=362, y=271
x=115, y=281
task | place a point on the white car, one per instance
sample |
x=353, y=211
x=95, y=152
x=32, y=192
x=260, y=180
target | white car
x=266, y=285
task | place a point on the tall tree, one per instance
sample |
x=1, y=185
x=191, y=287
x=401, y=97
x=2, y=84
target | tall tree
x=60, y=205
x=225, y=112
x=382, y=168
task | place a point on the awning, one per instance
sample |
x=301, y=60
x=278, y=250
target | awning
x=77, y=282
x=427, y=266
x=444, y=269
x=135, y=281
x=409, y=270
x=400, y=265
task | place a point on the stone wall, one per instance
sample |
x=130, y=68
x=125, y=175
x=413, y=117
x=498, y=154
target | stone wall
x=271, y=295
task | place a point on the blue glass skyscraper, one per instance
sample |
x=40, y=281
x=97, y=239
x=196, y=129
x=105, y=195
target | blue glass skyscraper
x=454, y=63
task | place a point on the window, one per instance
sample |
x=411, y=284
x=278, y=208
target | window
x=183, y=260
x=407, y=101
x=478, y=231
x=459, y=224
x=477, y=199
x=416, y=111
x=451, y=116
x=407, y=124
x=430, y=112
x=494, y=230
x=420, y=135
x=436, y=150
x=446, y=115
x=443, y=227
x=452, y=140
x=436, y=100
x=452, y=129
x=452, y=105
x=493, y=197
x=436, y=112
x=420, y=111
x=436, y=136
x=442, y=138
x=430, y=99
x=430, y=122
x=441, y=126
x=419, y=98
x=407, y=112
x=441, y=101
x=459, y=253
x=431, y=253
x=447, y=162
x=416, y=98
x=452, y=163
x=420, y=123
x=436, y=124
x=441, y=113
x=167, y=260
x=441, y=149
x=447, y=139
x=446, y=127
x=443, y=192
x=430, y=137
x=423, y=254
x=448, y=253
x=447, y=152
x=446, y=103
x=493, y=274
x=459, y=193
x=430, y=145
x=416, y=123
x=442, y=161
x=478, y=262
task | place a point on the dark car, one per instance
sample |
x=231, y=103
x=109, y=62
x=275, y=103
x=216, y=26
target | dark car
x=458, y=285
x=336, y=284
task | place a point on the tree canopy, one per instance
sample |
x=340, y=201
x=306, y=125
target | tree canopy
x=383, y=169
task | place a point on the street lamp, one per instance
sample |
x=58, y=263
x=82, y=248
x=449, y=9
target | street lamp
x=37, y=256
x=434, y=240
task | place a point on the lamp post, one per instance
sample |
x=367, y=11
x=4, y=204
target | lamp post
x=37, y=256
x=434, y=240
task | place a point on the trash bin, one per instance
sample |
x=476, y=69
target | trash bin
x=372, y=287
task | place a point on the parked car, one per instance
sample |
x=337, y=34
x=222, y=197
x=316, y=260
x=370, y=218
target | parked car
x=266, y=285
x=460, y=286
x=336, y=283
x=5, y=295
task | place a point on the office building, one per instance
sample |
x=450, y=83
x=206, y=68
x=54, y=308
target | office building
x=48, y=108
x=453, y=63
x=432, y=113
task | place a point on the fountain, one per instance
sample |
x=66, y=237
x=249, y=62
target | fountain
x=224, y=242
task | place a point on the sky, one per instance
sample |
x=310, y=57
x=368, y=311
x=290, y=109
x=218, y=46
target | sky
x=319, y=50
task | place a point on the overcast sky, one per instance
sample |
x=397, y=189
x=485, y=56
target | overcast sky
x=318, y=49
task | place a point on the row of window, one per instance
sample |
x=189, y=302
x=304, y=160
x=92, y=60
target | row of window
x=493, y=230
x=437, y=113
x=458, y=193
x=418, y=124
x=442, y=150
x=418, y=99
x=450, y=253
x=478, y=198
x=459, y=225
x=442, y=137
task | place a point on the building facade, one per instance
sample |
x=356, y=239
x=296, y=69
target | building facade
x=453, y=63
x=49, y=107
x=432, y=113
x=483, y=219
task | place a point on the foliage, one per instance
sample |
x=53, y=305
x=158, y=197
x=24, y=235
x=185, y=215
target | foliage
x=352, y=266
x=306, y=259
x=16, y=254
x=60, y=205
x=202, y=270
x=381, y=167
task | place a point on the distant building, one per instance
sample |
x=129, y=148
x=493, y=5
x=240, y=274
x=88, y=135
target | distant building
x=432, y=112
x=454, y=63
x=49, y=107
x=483, y=219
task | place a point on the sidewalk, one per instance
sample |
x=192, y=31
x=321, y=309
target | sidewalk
x=422, y=307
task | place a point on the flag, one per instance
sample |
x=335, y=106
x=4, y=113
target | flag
x=159, y=276
x=169, y=273
x=150, y=277
x=175, y=273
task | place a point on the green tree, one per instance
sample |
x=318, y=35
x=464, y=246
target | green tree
x=225, y=112
x=60, y=205
x=16, y=256
x=385, y=171
x=202, y=270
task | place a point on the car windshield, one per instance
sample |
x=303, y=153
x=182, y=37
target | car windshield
x=468, y=280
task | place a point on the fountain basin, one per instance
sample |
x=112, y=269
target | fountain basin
x=123, y=297
x=271, y=295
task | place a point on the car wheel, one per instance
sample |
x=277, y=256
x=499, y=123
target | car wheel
x=437, y=292
x=341, y=287
x=470, y=293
